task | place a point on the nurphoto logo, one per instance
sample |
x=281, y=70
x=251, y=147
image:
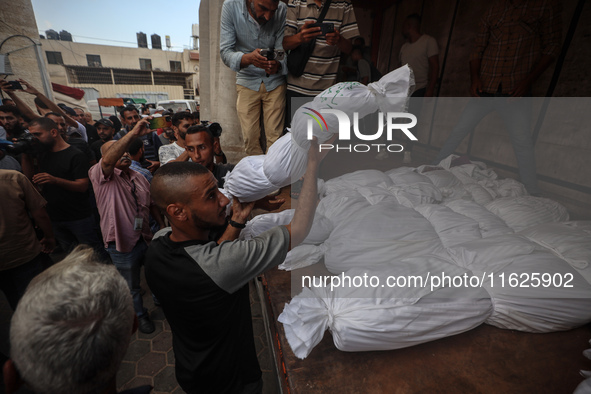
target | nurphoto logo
x=392, y=123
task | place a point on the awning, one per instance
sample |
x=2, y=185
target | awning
x=68, y=91
x=110, y=102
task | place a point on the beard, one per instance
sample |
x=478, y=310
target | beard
x=206, y=225
x=41, y=147
x=259, y=19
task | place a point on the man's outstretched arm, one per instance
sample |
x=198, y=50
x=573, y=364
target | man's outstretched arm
x=304, y=214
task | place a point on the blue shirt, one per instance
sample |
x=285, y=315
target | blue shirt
x=138, y=167
x=240, y=34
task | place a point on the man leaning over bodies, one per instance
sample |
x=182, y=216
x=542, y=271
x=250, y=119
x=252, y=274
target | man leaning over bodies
x=201, y=146
x=203, y=285
x=71, y=329
x=123, y=201
x=247, y=26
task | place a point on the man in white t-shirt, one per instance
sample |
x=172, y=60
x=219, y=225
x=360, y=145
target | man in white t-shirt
x=421, y=53
x=181, y=121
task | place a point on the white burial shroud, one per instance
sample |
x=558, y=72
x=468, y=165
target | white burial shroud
x=254, y=177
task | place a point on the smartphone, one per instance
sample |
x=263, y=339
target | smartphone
x=160, y=122
x=325, y=27
x=15, y=85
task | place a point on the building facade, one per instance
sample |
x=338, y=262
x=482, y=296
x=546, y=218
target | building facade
x=112, y=71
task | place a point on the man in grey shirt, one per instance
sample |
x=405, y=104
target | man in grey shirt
x=203, y=285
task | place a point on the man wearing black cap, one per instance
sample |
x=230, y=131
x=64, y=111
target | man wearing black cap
x=105, y=130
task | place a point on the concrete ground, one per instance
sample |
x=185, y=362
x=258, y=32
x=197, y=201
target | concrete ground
x=150, y=358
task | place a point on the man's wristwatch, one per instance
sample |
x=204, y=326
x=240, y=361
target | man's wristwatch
x=236, y=224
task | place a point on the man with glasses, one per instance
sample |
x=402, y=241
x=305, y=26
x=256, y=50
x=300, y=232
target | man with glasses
x=123, y=201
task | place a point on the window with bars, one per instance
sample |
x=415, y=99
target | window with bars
x=167, y=78
x=94, y=60
x=145, y=64
x=94, y=75
x=118, y=76
x=175, y=66
x=54, y=57
x=132, y=77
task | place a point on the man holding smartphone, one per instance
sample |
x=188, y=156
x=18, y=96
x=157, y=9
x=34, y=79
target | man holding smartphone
x=247, y=27
x=322, y=68
x=123, y=201
x=130, y=116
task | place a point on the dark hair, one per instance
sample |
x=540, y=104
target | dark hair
x=180, y=169
x=53, y=114
x=68, y=110
x=199, y=128
x=12, y=109
x=135, y=146
x=44, y=122
x=128, y=108
x=196, y=115
x=116, y=123
x=176, y=118
x=416, y=18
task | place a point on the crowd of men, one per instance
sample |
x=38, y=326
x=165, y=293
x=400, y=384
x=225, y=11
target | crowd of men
x=137, y=196
x=57, y=195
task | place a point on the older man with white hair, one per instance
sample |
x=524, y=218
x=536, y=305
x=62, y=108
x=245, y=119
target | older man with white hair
x=71, y=329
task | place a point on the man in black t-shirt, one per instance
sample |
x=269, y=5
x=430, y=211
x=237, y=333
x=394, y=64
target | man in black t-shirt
x=203, y=285
x=105, y=130
x=63, y=180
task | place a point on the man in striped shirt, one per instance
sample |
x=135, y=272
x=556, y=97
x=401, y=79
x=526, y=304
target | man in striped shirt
x=321, y=71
